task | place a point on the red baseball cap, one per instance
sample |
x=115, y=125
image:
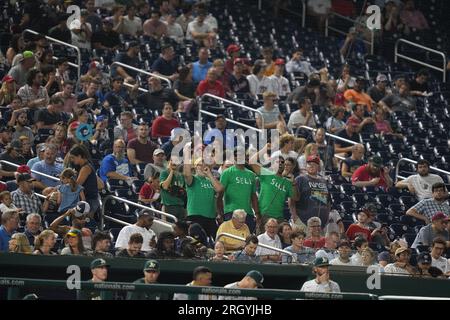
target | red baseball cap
x=352, y=121
x=279, y=62
x=233, y=48
x=94, y=64
x=74, y=125
x=8, y=78
x=439, y=216
x=313, y=158
x=24, y=169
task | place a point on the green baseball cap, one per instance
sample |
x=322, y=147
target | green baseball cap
x=28, y=54
x=321, y=262
x=257, y=276
x=376, y=161
x=97, y=263
x=151, y=265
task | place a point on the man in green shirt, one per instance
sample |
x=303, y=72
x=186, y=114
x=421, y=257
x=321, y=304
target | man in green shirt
x=173, y=192
x=275, y=188
x=151, y=274
x=240, y=193
x=99, y=269
x=201, y=194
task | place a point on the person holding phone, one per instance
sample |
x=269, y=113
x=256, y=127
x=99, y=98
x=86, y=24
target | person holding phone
x=322, y=283
x=372, y=174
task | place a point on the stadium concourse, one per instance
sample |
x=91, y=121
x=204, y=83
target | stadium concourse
x=97, y=110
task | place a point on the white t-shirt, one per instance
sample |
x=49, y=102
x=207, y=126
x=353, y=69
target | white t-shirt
x=313, y=286
x=332, y=225
x=319, y=6
x=296, y=119
x=260, y=86
x=211, y=21
x=195, y=27
x=175, y=31
x=282, y=85
x=356, y=259
x=235, y=286
x=265, y=239
x=423, y=185
x=339, y=262
x=126, y=232
x=132, y=27
x=4, y=208
x=440, y=263
x=391, y=269
x=329, y=254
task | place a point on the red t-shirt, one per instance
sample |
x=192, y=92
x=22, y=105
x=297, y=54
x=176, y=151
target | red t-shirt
x=162, y=127
x=206, y=87
x=143, y=152
x=354, y=231
x=314, y=244
x=362, y=174
x=147, y=191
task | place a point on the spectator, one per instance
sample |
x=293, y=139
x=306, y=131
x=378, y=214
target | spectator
x=298, y=64
x=116, y=165
x=219, y=252
x=420, y=184
x=201, y=32
x=142, y=227
x=344, y=250
x=412, y=17
x=360, y=244
x=233, y=53
x=13, y=153
x=438, y=259
x=419, y=86
x=60, y=31
x=44, y=243
x=126, y=130
x=20, y=72
x=248, y=253
x=220, y=133
x=402, y=265
x=101, y=243
x=271, y=115
x=372, y=174
x=437, y=228
x=325, y=150
x=400, y=101
x=311, y=150
x=24, y=197
x=157, y=96
x=62, y=71
x=270, y=238
x=150, y=190
x=99, y=270
x=353, y=46
x=154, y=27
x=118, y=96
x=101, y=137
x=357, y=95
x=173, y=189
x=33, y=94
x=47, y=118
x=176, y=137
x=322, y=282
x=8, y=90
x=19, y=244
x=359, y=229
x=185, y=17
x=133, y=250
x=252, y=280
x=74, y=244
x=91, y=97
x=81, y=32
x=211, y=85
x=69, y=99
x=202, y=276
x=131, y=24
x=286, y=146
x=303, y=116
x=130, y=57
x=335, y=123
x=329, y=249
x=314, y=196
x=6, y=203
x=259, y=82
x=237, y=80
x=378, y=91
x=33, y=227
x=424, y=264
x=282, y=84
x=163, y=125
x=201, y=66
x=358, y=117
x=235, y=226
x=140, y=149
x=382, y=126
x=184, y=88
x=92, y=17
x=368, y=257
x=426, y=208
x=304, y=254
x=6, y=133
x=384, y=258
x=10, y=223
x=151, y=274
x=106, y=38
x=158, y=164
x=49, y=167
x=174, y=30
x=351, y=164
x=165, y=247
x=201, y=194
x=166, y=64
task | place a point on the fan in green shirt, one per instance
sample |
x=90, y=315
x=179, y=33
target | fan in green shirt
x=173, y=192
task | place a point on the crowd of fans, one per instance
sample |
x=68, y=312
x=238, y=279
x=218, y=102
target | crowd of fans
x=47, y=114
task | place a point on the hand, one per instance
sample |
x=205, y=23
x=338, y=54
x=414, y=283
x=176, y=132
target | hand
x=152, y=243
x=374, y=181
x=324, y=278
x=207, y=171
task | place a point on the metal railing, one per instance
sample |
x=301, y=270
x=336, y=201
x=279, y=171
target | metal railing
x=229, y=235
x=371, y=43
x=13, y=284
x=200, y=111
x=397, y=168
x=64, y=44
x=126, y=66
x=134, y=204
x=442, y=54
x=33, y=171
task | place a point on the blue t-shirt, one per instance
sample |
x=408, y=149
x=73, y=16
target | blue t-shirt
x=199, y=71
x=4, y=239
x=53, y=170
x=110, y=163
x=69, y=198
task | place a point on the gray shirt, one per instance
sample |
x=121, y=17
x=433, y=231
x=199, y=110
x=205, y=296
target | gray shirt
x=19, y=74
x=269, y=116
x=427, y=234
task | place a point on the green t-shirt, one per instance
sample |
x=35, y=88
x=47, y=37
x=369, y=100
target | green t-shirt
x=273, y=193
x=239, y=186
x=142, y=295
x=201, y=198
x=174, y=195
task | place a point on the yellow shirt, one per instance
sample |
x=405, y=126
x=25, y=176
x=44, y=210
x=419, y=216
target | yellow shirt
x=228, y=227
x=270, y=70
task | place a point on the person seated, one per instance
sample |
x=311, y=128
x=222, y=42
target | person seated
x=165, y=247
x=116, y=165
x=140, y=149
x=248, y=253
x=236, y=226
x=134, y=247
x=400, y=101
x=357, y=95
x=372, y=174
x=350, y=164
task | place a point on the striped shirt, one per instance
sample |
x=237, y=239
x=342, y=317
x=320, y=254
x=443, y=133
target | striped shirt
x=429, y=207
x=29, y=203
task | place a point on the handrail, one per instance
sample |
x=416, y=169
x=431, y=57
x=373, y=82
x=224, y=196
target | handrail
x=111, y=197
x=64, y=44
x=410, y=298
x=327, y=26
x=442, y=54
x=33, y=171
x=200, y=103
x=14, y=283
x=229, y=235
x=126, y=66
x=330, y=135
x=397, y=168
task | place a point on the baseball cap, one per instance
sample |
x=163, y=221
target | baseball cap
x=439, y=216
x=94, y=64
x=145, y=213
x=384, y=256
x=402, y=249
x=158, y=151
x=8, y=78
x=73, y=233
x=151, y=265
x=313, y=158
x=107, y=21
x=75, y=24
x=257, y=276
x=82, y=209
x=74, y=125
x=16, y=144
x=27, y=54
x=381, y=78
x=24, y=177
x=100, y=118
x=360, y=79
x=321, y=262
x=24, y=169
x=133, y=44
x=233, y=48
x=376, y=161
x=97, y=263
x=424, y=257
x=279, y=62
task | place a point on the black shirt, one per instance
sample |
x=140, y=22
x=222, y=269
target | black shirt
x=343, y=134
x=155, y=100
x=414, y=86
x=60, y=34
x=124, y=58
x=186, y=89
x=240, y=85
x=164, y=67
x=107, y=39
x=48, y=118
